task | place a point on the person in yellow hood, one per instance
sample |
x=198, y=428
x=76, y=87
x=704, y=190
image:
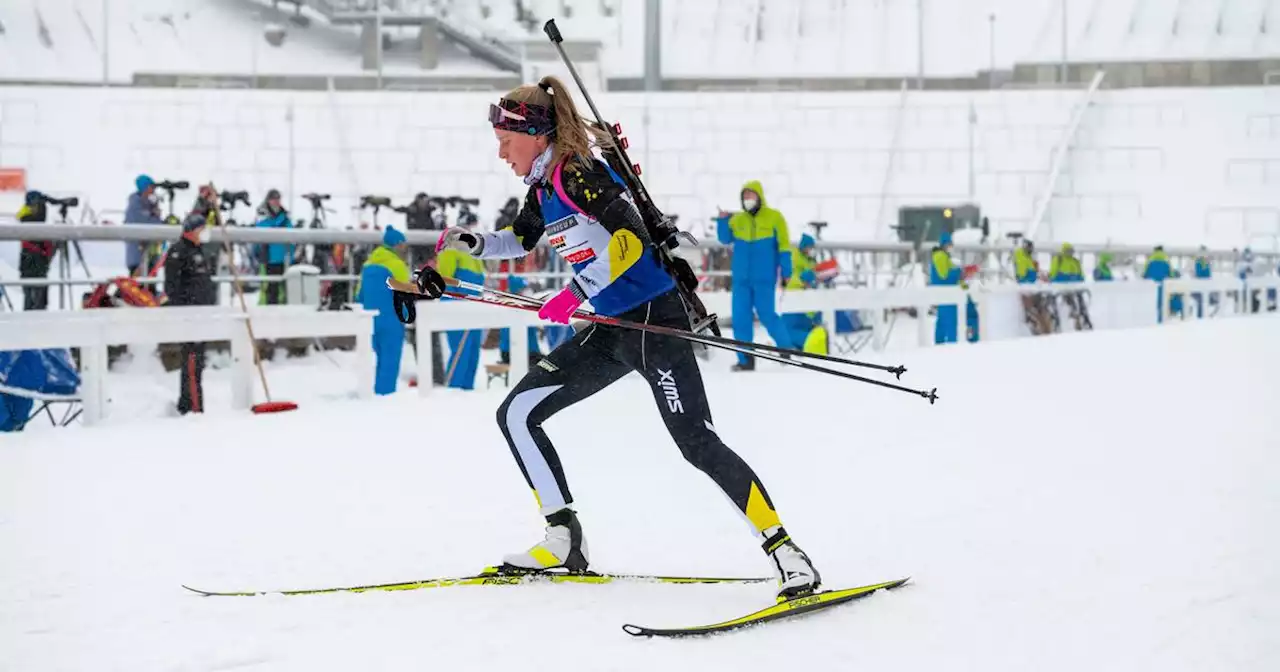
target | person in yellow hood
x=761, y=253
x=372, y=293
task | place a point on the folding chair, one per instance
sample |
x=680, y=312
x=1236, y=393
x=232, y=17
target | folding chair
x=33, y=382
x=44, y=403
x=852, y=333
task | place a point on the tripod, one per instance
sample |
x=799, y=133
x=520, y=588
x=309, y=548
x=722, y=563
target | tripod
x=321, y=253
x=246, y=262
x=63, y=249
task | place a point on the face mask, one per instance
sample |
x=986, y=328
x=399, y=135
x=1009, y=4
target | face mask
x=750, y=204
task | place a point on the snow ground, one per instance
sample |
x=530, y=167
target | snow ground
x=1103, y=501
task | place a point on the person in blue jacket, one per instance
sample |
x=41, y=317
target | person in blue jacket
x=1244, y=269
x=1158, y=269
x=141, y=209
x=516, y=285
x=464, y=344
x=761, y=253
x=1203, y=271
x=372, y=293
x=272, y=215
x=943, y=271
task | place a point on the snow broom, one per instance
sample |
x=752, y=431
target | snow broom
x=268, y=406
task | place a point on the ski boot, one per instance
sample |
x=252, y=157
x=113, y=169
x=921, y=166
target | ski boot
x=749, y=366
x=797, y=576
x=563, y=547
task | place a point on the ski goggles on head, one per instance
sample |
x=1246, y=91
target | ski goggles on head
x=530, y=118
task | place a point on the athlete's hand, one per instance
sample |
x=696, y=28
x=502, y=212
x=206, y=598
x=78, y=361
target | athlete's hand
x=462, y=240
x=429, y=282
x=560, y=307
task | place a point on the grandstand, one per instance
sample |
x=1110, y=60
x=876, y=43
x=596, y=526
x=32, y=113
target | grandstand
x=701, y=43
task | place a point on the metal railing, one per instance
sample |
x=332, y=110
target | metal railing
x=866, y=263
x=251, y=235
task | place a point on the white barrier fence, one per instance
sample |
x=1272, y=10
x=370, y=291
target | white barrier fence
x=1113, y=305
x=436, y=316
x=1201, y=296
x=828, y=301
x=93, y=330
x=1110, y=305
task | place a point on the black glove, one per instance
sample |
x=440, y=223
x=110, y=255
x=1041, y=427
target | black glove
x=403, y=303
x=430, y=282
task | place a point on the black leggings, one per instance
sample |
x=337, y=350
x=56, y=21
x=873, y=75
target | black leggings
x=592, y=360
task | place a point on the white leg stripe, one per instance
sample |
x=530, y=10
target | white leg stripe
x=518, y=425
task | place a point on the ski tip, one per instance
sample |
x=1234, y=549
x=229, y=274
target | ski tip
x=635, y=630
x=212, y=593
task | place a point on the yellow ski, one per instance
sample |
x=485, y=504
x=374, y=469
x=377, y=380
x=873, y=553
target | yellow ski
x=786, y=609
x=491, y=576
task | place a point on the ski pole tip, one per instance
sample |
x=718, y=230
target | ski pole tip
x=898, y=371
x=932, y=396
x=553, y=32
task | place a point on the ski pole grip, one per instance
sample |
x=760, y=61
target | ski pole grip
x=553, y=33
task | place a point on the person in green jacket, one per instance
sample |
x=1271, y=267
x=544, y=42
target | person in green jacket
x=805, y=328
x=1102, y=272
x=1065, y=266
x=1025, y=267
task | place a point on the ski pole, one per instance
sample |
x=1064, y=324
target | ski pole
x=706, y=338
x=532, y=305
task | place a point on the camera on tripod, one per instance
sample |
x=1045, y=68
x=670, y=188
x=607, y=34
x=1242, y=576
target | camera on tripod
x=374, y=202
x=230, y=198
x=173, y=185
x=443, y=201
x=316, y=199
x=68, y=202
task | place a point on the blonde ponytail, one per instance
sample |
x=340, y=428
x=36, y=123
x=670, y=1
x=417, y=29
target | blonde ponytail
x=574, y=136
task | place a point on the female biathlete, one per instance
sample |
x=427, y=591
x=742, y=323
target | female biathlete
x=588, y=216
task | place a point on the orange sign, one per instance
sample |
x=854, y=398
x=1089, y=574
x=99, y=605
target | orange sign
x=13, y=179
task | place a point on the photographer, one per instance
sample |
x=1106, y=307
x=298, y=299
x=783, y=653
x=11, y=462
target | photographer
x=418, y=217
x=272, y=215
x=188, y=281
x=36, y=255
x=141, y=209
x=206, y=206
